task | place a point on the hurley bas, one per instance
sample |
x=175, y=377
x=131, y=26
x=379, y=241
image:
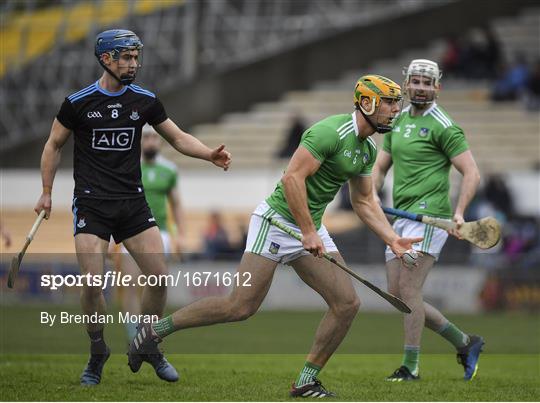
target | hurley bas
x=69, y=318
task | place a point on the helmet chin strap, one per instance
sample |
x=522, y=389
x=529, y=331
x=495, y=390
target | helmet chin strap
x=378, y=128
x=366, y=117
x=123, y=81
x=384, y=129
x=422, y=103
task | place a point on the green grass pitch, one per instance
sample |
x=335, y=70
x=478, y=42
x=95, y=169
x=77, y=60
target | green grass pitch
x=257, y=360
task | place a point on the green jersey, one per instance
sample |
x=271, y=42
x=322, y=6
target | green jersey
x=158, y=179
x=335, y=143
x=421, y=148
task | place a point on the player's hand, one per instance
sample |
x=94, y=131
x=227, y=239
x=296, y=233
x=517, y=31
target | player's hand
x=400, y=245
x=459, y=220
x=44, y=203
x=221, y=157
x=312, y=242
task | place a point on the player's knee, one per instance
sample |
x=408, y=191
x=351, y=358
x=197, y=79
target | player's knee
x=409, y=292
x=160, y=272
x=239, y=312
x=348, y=307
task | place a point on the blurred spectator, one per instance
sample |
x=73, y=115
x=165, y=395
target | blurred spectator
x=5, y=236
x=475, y=56
x=216, y=240
x=491, y=295
x=522, y=240
x=294, y=134
x=513, y=81
x=472, y=61
x=532, y=90
x=531, y=260
x=451, y=60
x=497, y=193
x=492, y=54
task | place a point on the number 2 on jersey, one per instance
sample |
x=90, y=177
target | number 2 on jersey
x=408, y=129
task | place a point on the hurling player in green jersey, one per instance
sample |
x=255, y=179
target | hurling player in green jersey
x=423, y=145
x=160, y=182
x=331, y=152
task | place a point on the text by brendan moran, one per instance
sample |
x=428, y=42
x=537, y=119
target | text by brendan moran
x=65, y=318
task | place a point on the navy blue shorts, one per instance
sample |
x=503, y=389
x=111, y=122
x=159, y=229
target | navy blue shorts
x=120, y=219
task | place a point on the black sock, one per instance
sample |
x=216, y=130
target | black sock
x=97, y=342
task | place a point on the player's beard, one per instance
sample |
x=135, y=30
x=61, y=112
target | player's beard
x=422, y=102
x=127, y=79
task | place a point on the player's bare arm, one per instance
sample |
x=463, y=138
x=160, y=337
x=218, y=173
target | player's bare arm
x=302, y=165
x=49, y=163
x=191, y=146
x=370, y=212
x=380, y=169
x=466, y=165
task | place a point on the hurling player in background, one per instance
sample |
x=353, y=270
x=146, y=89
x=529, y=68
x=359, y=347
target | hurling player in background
x=160, y=183
x=422, y=146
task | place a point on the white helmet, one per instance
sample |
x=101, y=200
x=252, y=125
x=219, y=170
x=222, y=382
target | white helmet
x=423, y=68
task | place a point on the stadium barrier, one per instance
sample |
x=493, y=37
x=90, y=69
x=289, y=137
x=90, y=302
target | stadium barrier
x=213, y=189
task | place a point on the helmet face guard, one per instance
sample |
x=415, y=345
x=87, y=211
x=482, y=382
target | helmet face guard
x=422, y=82
x=378, y=90
x=114, y=42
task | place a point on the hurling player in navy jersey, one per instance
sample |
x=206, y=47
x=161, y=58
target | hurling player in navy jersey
x=106, y=119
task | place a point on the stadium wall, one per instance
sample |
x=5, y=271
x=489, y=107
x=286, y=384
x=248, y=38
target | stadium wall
x=214, y=189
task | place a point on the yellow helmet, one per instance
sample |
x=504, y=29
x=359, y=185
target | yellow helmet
x=375, y=87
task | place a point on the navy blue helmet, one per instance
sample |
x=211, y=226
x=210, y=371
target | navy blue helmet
x=115, y=41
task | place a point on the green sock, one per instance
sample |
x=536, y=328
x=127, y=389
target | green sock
x=411, y=358
x=455, y=336
x=164, y=327
x=308, y=372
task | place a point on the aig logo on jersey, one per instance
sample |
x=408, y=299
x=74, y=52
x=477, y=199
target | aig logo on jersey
x=115, y=139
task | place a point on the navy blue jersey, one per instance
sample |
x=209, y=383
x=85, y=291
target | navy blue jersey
x=107, y=136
